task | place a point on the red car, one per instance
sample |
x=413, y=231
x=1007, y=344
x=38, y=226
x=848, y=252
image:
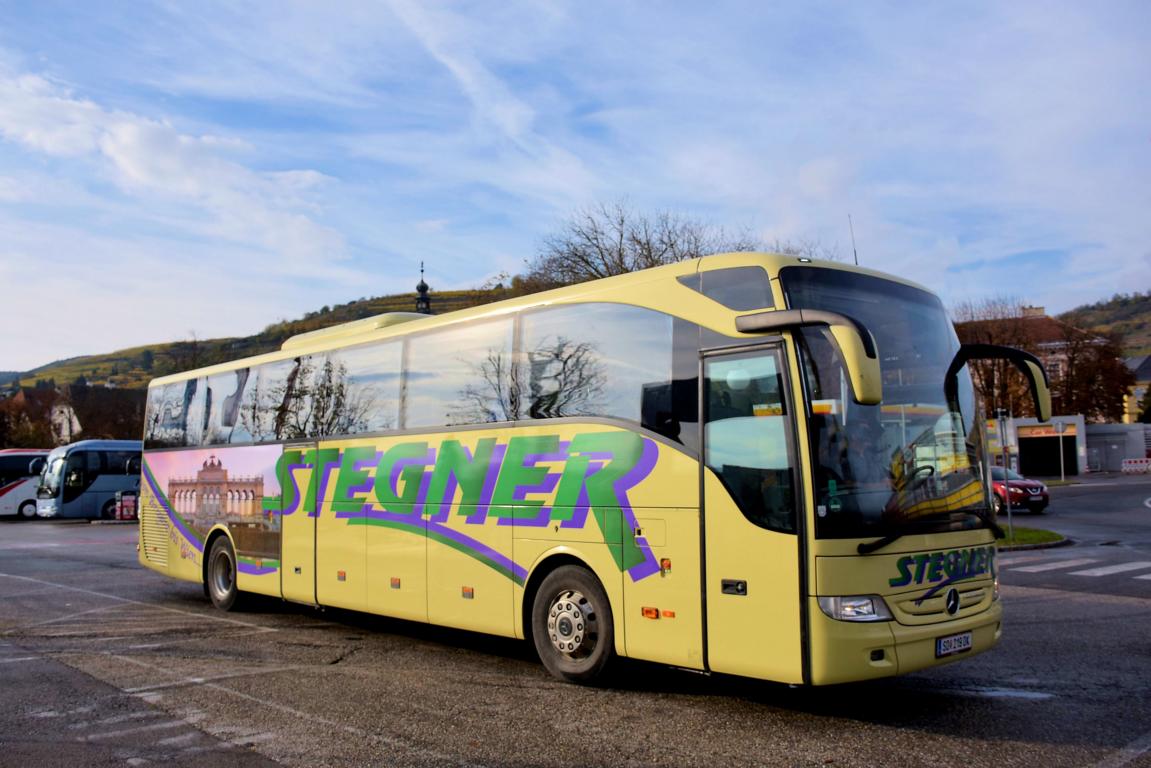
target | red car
x=1025, y=494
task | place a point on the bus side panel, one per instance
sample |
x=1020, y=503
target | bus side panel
x=470, y=576
x=397, y=572
x=753, y=604
x=341, y=547
x=254, y=520
x=617, y=504
x=155, y=542
x=168, y=542
x=663, y=616
x=187, y=494
x=341, y=558
x=15, y=493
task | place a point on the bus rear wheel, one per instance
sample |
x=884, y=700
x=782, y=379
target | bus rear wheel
x=572, y=625
x=220, y=575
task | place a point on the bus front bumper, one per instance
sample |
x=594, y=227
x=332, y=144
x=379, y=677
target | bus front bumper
x=846, y=651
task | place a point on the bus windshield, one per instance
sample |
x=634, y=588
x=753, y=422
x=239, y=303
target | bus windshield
x=53, y=472
x=913, y=464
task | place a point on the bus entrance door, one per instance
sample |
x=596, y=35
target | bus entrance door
x=297, y=475
x=750, y=500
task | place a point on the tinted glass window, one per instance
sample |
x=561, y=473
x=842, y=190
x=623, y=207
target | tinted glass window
x=912, y=464
x=369, y=388
x=116, y=462
x=197, y=410
x=748, y=437
x=14, y=468
x=276, y=406
x=597, y=360
x=461, y=375
x=225, y=397
x=167, y=419
x=738, y=288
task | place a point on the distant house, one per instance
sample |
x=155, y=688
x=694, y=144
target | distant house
x=1085, y=369
x=1132, y=403
x=66, y=414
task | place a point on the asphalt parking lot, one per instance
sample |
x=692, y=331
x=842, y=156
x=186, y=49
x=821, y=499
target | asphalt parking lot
x=106, y=663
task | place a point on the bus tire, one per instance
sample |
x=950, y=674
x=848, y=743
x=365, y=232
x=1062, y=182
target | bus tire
x=28, y=510
x=220, y=575
x=572, y=625
x=108, y=511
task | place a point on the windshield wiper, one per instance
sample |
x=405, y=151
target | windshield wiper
x=867, y=547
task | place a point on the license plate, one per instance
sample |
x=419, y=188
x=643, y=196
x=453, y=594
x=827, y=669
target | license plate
x=952, y=644
x=1036, y=498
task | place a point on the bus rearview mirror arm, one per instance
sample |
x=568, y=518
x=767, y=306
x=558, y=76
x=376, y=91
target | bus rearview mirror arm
x=1026, y=362
x=856, y=344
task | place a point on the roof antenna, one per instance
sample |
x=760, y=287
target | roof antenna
x=854, y=252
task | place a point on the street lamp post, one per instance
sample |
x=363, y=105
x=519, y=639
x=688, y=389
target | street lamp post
x=1006, y=475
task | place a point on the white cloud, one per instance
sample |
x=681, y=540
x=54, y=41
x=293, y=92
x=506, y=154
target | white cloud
x=151, y=159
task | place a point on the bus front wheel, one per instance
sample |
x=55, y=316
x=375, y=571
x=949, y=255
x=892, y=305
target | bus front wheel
x=28, y=510
x=572, y=625
x=109, y=511
x=220, y=577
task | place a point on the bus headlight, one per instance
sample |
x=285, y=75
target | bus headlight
x=856, y=608
x=995, y=589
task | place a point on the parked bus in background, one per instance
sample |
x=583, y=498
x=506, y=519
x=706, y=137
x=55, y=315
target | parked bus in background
x=746, y=463
x=18, y=481
x=81, y=480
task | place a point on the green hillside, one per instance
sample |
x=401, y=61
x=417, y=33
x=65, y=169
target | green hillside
x=135, y=367
x=1129, y=315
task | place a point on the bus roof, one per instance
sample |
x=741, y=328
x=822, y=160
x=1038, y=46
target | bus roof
x=99, y=445
x=655, y=288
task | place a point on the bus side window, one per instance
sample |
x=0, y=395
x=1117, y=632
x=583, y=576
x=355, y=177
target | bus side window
x=748, y=437
x=597, y=359
x=76, y=470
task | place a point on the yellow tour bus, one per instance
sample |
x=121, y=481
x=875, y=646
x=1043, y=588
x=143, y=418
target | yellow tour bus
x=747, y=463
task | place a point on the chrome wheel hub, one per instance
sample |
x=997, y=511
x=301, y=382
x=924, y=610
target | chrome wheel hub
x=571, y=624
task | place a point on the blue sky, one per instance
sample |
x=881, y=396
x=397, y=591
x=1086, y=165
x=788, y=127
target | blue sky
x=176, y=169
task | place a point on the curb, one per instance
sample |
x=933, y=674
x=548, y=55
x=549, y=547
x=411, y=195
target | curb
x=1048, y=545
x=113, y=522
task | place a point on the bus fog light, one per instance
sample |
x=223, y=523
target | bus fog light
x=856, y=608
x=995, y=589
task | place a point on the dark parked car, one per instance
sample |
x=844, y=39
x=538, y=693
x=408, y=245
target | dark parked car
x=1025, y=494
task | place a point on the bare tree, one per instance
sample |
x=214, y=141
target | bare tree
x=494, y=395
x=806, y=247
x=1085, y=368
x=998, y=320
x=611, y=239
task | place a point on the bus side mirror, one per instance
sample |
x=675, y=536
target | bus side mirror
x=1025, y=361
x=855, y=342
x=36, y=466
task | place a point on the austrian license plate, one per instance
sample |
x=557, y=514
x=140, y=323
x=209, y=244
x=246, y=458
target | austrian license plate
x=952, y=644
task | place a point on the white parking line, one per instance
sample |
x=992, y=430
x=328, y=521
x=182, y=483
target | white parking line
x=1055, y=566
x=201, y=616
x=131, y=731
x=1107, y=570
